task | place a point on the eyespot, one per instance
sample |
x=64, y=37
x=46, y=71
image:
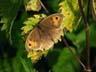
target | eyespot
x=56, y=18
x=43, y=49
x=29, y=44
x=38, y=51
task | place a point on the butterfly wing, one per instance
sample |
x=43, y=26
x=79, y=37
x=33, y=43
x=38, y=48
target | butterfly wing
x=45, y=34
x=52, y=21
x=55, y=34
x=33, y=40
x=38, y=40
x=46, y=41
x=51, y=26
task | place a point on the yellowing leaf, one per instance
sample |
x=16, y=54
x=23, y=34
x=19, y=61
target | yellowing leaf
x=94, y=9
x=68, y=8
x=33, y=5
x=36, y=55
x=31, y=22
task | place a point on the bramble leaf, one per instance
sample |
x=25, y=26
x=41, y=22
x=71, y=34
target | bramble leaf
x=69, y=9
x=31, y=22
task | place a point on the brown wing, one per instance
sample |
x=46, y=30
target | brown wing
x=45, y=34
x=51, y=26
x=33, y=40
x=38, y=40
x=52, y=21
x=46, y=41
x=55, y=34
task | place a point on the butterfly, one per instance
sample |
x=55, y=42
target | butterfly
x=45, y=34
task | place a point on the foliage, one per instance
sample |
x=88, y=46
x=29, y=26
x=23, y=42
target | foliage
x=70, y=10
x=31, y=22
x=16, y=22
x=33, y=5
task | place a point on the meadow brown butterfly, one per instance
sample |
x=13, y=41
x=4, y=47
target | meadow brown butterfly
x=47, y=32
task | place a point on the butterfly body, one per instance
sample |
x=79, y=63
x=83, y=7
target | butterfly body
x=45, y=34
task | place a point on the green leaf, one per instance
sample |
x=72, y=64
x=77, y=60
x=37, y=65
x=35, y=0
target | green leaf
x=65, y=61
x=31, y=22
x=70, y=9
x=53, y=5
x=8, y=11
x=33, y=5
x=93, y=35
x=16, y=65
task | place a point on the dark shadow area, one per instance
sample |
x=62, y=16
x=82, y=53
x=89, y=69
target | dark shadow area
x=92, y=59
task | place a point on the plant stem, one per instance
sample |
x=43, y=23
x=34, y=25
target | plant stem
x=87, y=36
x=10, y=30
x=77, y=58
x=88, y=8
x=43, y=6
